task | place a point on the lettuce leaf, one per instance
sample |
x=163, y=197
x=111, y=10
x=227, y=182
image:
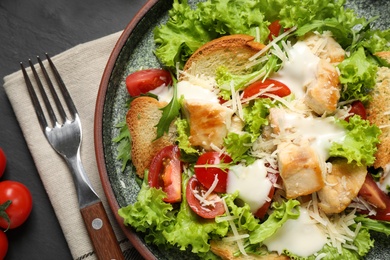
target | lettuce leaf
x=238, y=145
x=255, y=115
x=187, y=151
x=182, y=34
x=281, y=213
x=357, y=75
x=149, y=214
x=124, y=146
x=360, y=142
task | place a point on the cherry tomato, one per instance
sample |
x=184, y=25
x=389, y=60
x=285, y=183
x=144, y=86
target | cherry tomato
x=260, y=213
x=165, y=172
x=20, y=207
x=204, y=211
x=3, y=244
x=208, y=166
x=274, y=30
x=281, y=89
x=357, y=108
x=3, y=162
x=143, y=81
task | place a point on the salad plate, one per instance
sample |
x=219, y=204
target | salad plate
x=134, y=50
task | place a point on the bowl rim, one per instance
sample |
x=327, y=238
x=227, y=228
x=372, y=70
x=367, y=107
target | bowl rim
x=98, y=129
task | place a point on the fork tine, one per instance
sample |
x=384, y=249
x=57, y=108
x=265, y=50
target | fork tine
x=34, y=98
x=48, y=106
x=64, y=90
x=52, y=91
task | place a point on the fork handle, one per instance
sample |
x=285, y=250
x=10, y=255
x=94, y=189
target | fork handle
x=101, y=233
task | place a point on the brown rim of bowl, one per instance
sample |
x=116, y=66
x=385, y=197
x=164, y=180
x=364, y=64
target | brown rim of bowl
x=98, y=133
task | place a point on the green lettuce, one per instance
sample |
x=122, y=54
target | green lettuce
x=357, y=75
x=238, y=145
x=187, y=29
x=281, y=213
x=149, y=214
x=184, y=144
x=255, y=115
x=360, y=143
x=124, y=144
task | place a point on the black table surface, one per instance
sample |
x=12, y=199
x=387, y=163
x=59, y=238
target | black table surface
x=29, y=28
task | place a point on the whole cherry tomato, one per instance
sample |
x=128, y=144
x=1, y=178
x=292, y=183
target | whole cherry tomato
x=143, y=81
x=3, y=244
x=208, y=166
x=15, y=204
x=3, y=162
x=165, y=172
x=253, y=89
x=205, y=211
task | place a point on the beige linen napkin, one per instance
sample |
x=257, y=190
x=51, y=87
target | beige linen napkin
x=81, y=69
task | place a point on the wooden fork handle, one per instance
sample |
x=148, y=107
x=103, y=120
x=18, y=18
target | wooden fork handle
x=101, y=233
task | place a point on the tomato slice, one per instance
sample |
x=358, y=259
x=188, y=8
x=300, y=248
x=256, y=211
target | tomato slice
x=165, y=172
x=357, y=108
x=204, y=211
x=274, y=30
x=279, y=88
x=207, y=168
x=143, y=81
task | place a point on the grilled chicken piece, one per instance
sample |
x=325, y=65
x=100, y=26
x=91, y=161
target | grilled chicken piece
x=300, y=169
x=342, y=185
x=323, y=95
x=209, y=123
x=325, y=47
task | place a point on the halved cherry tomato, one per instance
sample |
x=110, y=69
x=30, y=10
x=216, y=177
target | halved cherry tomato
x=374, y=195
x=260, y=213
x=15, y=203
x=3, y=162
x=204, y=211
x=357, y=108
x=143, y=81
x=3, y=244
x=274, y=30
x=281, y=89
x=165, y=172
x=210, y=165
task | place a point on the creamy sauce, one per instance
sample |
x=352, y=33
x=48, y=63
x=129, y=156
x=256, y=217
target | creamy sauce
x=188, y=90
x=299, y=236
x=299, y=70
x=251, y=182
x=320, y=132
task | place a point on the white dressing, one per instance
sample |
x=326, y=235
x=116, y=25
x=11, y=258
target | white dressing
x=251, y=182
x=299, y=236
x=189, y=90
x=320, y=132
x=299, y=70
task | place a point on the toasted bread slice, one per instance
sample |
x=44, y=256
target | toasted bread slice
x=232, y=51
x=378, y=113
x=227, y=250
x=141, y=119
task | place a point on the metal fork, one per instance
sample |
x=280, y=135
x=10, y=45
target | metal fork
x=65, y=137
